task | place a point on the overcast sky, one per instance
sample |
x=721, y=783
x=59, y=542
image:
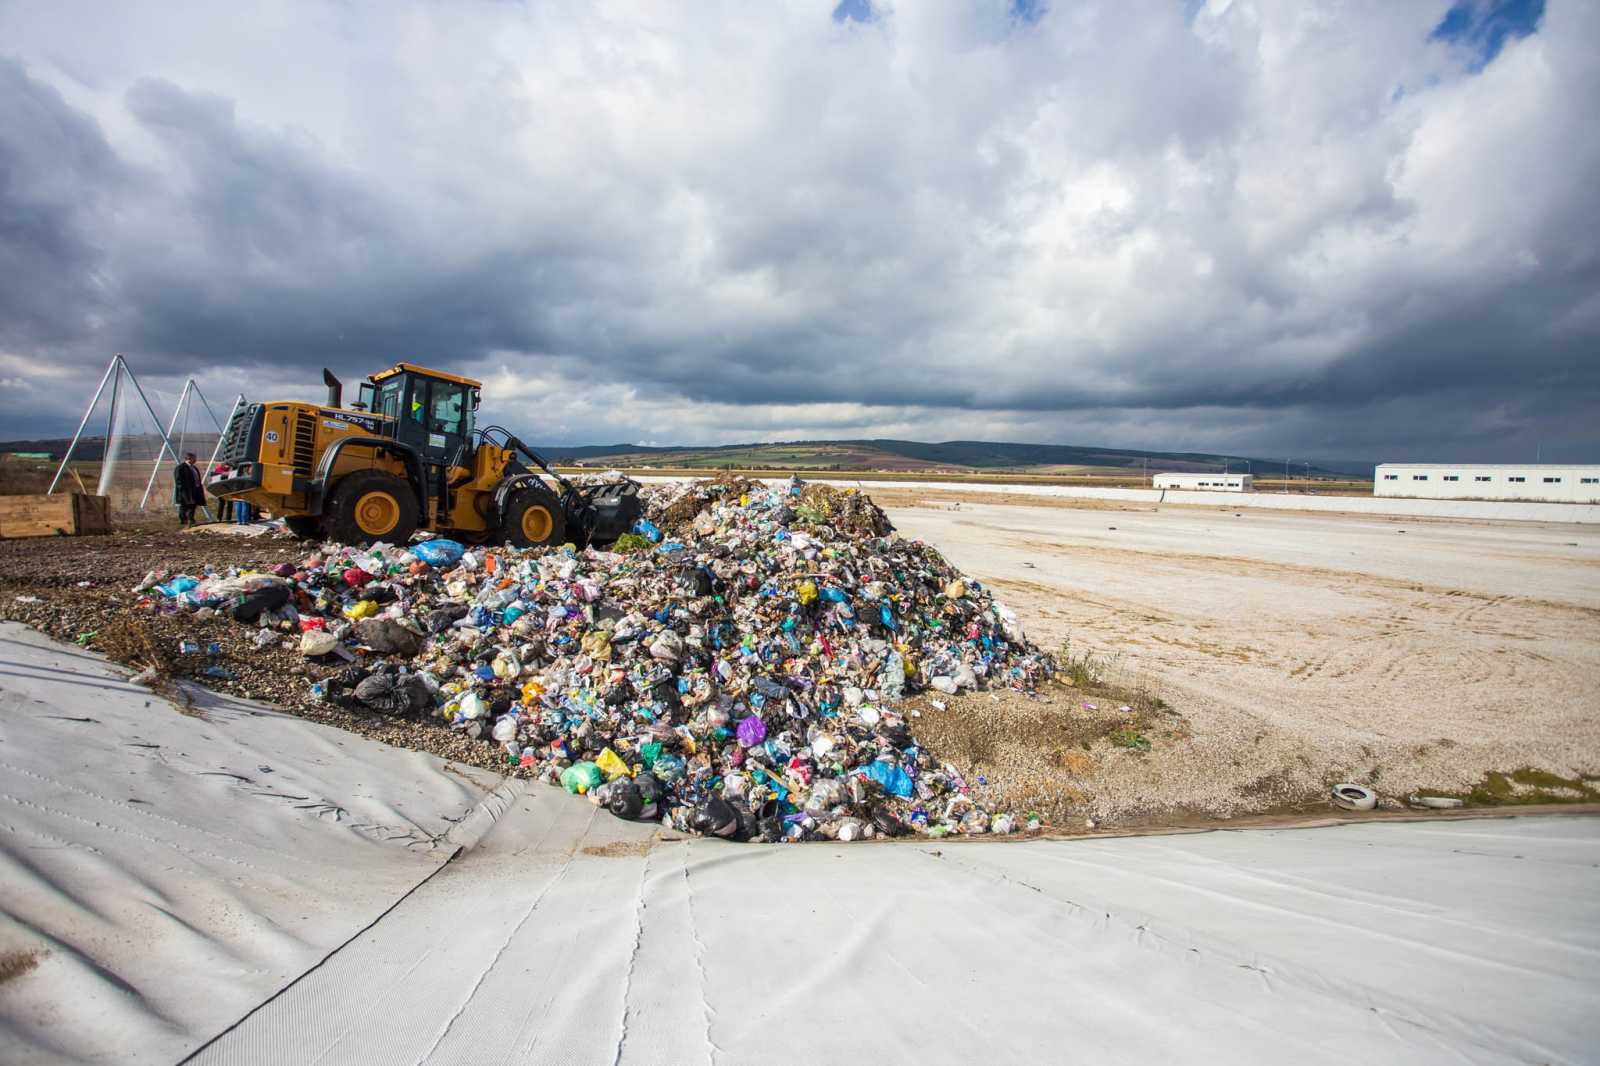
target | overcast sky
x=1363, y=229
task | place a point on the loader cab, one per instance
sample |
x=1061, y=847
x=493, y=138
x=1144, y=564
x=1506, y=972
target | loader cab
x=432, y=411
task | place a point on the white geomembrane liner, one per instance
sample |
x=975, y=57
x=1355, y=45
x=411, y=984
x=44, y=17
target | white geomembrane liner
x=166, y=873
x=564, y=935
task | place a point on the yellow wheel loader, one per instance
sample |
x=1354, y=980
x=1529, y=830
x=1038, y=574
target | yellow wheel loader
x=406, y=456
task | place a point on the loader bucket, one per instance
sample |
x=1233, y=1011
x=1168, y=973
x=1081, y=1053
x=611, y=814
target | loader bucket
x=604, y=512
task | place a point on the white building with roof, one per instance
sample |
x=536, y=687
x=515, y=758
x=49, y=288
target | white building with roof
x=1205, y=482
x=1546, y=482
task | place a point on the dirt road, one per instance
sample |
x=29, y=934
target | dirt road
x=1398, y=653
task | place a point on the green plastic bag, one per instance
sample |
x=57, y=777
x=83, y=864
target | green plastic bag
x=648, y=753
x=580, y=777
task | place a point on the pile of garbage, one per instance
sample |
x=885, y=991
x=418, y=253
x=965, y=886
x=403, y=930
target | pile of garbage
x=733, y=668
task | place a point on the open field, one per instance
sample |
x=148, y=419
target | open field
x=1299, y=649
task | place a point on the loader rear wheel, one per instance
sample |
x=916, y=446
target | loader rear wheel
x=534, y=519
x=304, y=526
x=371, y=505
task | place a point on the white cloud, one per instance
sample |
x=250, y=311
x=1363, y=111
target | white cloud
x=1117, y=225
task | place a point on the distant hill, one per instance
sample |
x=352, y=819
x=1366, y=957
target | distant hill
x=89, y=448
x=907, y=455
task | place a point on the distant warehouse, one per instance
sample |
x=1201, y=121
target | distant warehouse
x=1205, y=482
x=1503, y=481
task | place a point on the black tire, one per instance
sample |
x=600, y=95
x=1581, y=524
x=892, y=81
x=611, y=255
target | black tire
x=371, y=505
x=304, y=526
x=534, y=519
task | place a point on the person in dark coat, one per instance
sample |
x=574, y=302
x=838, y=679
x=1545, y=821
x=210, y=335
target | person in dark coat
x=188, y=489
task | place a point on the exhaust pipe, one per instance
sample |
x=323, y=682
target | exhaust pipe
x=335, y=389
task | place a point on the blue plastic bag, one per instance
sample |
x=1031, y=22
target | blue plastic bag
x=645, y=528
x=439, y=552
x=894, y=780
x=177, y=586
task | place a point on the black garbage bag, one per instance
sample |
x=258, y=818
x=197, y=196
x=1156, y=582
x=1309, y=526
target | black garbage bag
x=624, y=800
x=438, y=620
x=714, y=818
x=388, y=637
x=886, y=822
x=749, y=825
x=769, y=823
x=396, y=694
x=650, y=795
x=340, y=688
x=265, y=598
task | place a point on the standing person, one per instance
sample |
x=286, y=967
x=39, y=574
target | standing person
x=241, y=513
x=188, y=489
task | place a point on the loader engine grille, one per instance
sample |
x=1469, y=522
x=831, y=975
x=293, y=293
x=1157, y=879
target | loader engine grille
x=305, y=439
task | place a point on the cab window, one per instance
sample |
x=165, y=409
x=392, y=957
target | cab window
x=450, y=412
x=389, y=398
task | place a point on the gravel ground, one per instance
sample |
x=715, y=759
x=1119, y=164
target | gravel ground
x=83, y=587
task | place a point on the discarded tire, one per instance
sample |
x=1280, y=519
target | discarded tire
x=1354, y=797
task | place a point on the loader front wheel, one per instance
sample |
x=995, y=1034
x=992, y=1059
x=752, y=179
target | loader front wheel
x=534, y=519
x=371, y=505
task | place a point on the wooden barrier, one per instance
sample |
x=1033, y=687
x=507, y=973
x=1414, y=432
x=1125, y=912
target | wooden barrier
x=64, y=514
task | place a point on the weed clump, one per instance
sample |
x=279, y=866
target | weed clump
x=1130, y=738
x=1084, y=670
x=629, y=543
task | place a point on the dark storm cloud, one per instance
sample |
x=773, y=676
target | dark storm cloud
x=1133, y=223
x=275, y=256
x=56, y=174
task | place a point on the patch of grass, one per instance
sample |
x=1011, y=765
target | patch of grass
x=1524, y=786
x=631, y=542
x=1084, y=670
x=1130, y=738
